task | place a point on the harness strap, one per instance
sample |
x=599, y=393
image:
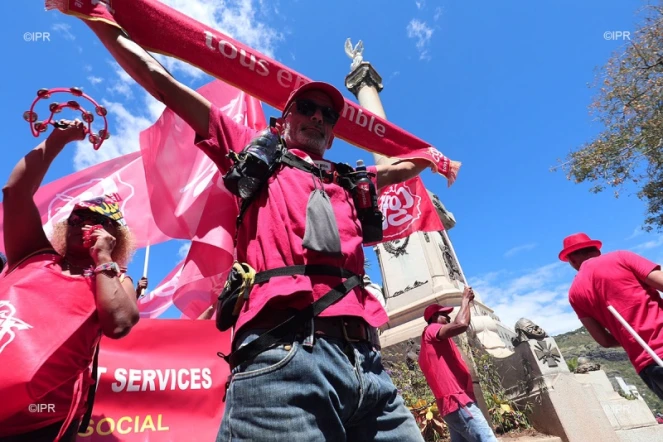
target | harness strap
x=91, y=393
x=273, y=336
x=308, y=270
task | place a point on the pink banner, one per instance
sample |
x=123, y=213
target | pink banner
x=163, y=382
x=162, y=29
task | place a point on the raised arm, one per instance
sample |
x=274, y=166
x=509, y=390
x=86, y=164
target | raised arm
x=22, y=228
x=400, y=171
x=461, y=322
x=154, y=78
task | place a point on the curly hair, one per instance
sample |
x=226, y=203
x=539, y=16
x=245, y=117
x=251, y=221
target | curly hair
x=122, y=253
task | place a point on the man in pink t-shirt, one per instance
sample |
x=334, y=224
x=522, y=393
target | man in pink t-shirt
x=447, y=374
x=324, y=380
x=627, y=282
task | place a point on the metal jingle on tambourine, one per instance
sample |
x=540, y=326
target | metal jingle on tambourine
x=103, y=134
x=43, y=93
x=54, y=107
x=88, y=117
x=73, y=104
x=76, y=91
x=101, y=111
x=40, y=126
x=94, y=139
x=30, y=116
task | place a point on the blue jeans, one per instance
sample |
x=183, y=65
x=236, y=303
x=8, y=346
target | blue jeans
x=468, y=425
x=322, y=389
x=652, y=375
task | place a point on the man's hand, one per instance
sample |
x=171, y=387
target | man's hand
x=103, y=244
x=468, y=295
x=142, y=284
x=74, y=131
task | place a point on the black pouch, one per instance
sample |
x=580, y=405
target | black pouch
x=234, y=295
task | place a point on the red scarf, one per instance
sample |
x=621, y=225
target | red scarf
x=159, y=28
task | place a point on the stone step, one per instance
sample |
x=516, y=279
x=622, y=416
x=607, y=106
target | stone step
x=530, y=439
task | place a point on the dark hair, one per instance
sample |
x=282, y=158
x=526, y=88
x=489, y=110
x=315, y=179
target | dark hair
x=583, y=252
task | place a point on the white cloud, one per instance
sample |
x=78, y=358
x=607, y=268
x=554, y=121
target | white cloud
x=539, y=294
x=420, y=31
x=648, y=245
x=420, y=4
x=524, y=248
x=123, y=84
x=123, y=137
x=65, y=30
x=94, y=80
x=239, y=20
x=636, y=232
x=183, y=250
x=438, y=13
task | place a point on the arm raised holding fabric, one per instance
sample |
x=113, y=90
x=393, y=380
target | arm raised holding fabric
x=400, y=171
x=22, y=227
x=154, y=78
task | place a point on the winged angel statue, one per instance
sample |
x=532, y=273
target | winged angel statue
x=354, y=53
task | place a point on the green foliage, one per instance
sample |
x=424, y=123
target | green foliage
x=418, y=397
x=629, y=107
x=572, y=363
x=503, y=413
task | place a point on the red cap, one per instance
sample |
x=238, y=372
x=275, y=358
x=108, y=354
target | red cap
x=338, y=102
x=435, y=308
x=575, y=242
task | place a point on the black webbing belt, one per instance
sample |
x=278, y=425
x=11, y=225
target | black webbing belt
x=290, y=325
x=91, y=393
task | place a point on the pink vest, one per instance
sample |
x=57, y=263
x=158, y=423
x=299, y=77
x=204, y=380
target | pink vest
x=48, y=332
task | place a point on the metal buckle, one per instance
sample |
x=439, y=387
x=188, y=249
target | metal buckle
x=345, y=333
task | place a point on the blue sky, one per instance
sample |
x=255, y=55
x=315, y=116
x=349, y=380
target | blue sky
x=500, y=86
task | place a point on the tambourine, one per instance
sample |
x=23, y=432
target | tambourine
x=37, y=127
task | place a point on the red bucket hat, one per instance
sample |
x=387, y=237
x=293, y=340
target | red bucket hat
x=435, y=308
x=338, y=102
x=575, y=242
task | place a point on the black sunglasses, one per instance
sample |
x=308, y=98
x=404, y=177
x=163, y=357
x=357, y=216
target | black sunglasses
x=77, y=219
x=308, y=108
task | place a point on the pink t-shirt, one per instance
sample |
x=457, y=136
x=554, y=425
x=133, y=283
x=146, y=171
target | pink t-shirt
x=273, y=229
x=445, y=371
x=617, y=279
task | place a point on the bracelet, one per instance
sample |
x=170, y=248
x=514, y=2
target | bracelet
x=108, y=266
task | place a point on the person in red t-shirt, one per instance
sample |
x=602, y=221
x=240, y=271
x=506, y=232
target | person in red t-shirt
x=325, y=379
x=82, y=257
x=448, y=376
x=627, y=282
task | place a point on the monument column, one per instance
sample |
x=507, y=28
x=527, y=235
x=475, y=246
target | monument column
x=426, y=261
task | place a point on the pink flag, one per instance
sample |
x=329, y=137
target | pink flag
x=407, y=208
x=157, y=301
x=183, y=184
x=181, y=179
x=123, y=175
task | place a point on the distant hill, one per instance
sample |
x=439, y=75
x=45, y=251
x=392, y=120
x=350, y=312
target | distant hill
x=613, y=361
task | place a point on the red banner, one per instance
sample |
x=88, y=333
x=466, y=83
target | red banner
x=407, y=208
x=163, y=382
